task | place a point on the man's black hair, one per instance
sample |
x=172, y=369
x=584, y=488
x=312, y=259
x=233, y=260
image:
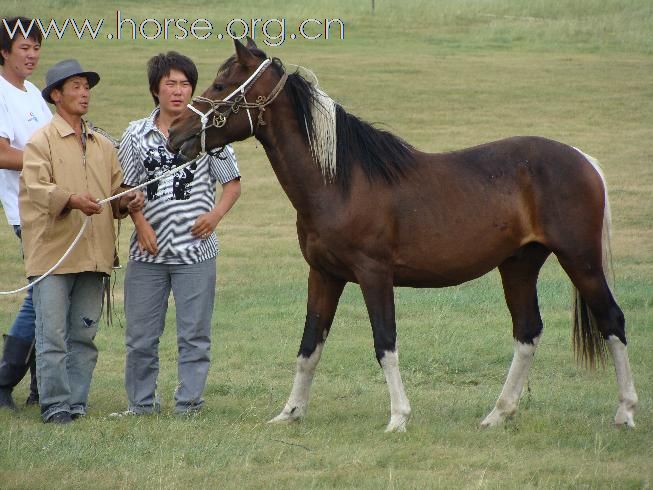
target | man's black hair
x=160, y=66
x=8, y=25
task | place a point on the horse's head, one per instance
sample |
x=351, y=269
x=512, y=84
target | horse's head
x=231, y=108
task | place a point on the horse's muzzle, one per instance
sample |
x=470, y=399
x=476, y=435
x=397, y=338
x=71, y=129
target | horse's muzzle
x=186, y=149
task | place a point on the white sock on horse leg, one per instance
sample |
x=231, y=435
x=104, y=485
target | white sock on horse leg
x=627, y=393
x=508, y=401
x=297, y=403
x=399, y=405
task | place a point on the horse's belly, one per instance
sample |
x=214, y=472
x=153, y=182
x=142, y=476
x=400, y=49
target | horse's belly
x=454, y=259
x=437, y=277
x=420, y=251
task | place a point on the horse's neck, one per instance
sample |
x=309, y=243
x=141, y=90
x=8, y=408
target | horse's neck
x=292, y=162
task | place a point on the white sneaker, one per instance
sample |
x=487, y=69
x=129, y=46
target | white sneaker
x=126, y=413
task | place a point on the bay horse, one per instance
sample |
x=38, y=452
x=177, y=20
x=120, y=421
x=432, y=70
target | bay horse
x=373, y=210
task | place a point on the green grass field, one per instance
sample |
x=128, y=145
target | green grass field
x=444, y=74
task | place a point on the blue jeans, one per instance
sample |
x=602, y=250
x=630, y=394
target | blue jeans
x=147, y=288
x=23, y=325
x=68, y=309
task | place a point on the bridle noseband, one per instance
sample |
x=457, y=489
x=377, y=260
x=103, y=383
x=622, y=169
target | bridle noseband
x=234, y=106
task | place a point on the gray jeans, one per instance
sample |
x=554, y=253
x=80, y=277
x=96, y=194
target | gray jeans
x=147, y=288
x=68, y=309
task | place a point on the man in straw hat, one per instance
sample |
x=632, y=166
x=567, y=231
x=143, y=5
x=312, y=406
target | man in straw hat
x=67, y=168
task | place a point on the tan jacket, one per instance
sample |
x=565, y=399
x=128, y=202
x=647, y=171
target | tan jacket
x=54, y=168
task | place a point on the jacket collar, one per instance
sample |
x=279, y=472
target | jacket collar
x=64, y=129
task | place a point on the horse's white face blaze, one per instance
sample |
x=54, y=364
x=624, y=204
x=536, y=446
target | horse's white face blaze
x=627, y=395
x=399, y=405
x=506, y=405
x=297, y=403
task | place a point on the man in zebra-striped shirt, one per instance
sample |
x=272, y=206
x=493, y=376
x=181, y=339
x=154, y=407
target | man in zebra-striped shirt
x=174, y=246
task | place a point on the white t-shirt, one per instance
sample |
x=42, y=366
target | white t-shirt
x=21, y=113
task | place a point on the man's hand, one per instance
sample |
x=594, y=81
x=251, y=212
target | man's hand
x=205, y=225
x=133, y=202
x=86, y=203
x=146, y=237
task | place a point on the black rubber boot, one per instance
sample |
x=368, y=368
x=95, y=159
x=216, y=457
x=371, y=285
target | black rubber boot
x=6, y=401
x=13, y=366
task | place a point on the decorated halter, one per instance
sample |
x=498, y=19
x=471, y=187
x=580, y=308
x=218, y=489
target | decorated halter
x=239, y=101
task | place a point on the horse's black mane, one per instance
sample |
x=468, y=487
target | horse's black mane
x=379, y=153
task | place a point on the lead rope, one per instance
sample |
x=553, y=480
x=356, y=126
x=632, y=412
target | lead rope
x=88, y=218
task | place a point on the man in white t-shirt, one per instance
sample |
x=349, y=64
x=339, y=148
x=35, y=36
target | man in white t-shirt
x=22, y=112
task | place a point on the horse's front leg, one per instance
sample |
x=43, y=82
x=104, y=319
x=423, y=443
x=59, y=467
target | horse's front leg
x=379, y=299
x=323, y=295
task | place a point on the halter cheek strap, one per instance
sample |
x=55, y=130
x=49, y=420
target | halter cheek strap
x=249, y=116
x=204, y=118
x=252, y=78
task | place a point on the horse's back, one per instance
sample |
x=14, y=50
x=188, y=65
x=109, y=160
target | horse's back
x=521, y=174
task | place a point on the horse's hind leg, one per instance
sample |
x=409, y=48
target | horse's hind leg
x=605, y=320
x=519, y=275
x=627, y=394
x=323, y=296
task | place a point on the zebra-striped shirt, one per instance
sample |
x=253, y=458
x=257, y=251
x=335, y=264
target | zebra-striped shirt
x=172, y=204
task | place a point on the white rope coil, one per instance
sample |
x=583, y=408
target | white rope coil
x=88, y=218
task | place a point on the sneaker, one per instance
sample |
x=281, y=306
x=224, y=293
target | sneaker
x=126, y=413
x=60, y=418
x=187, y=414
x=188, y=410
x=6, y=400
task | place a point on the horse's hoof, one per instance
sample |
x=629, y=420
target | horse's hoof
x=287, y=416
x=493, y=419
x=397, y=424
x=281, y=418
x=624, y=418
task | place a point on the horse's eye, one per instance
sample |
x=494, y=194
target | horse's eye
x=219, y=87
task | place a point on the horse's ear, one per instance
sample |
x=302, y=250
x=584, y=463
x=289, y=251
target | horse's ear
x=243, y=54
x=251, y=44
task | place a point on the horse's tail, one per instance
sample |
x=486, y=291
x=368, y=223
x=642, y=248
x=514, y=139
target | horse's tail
x=589, y=345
